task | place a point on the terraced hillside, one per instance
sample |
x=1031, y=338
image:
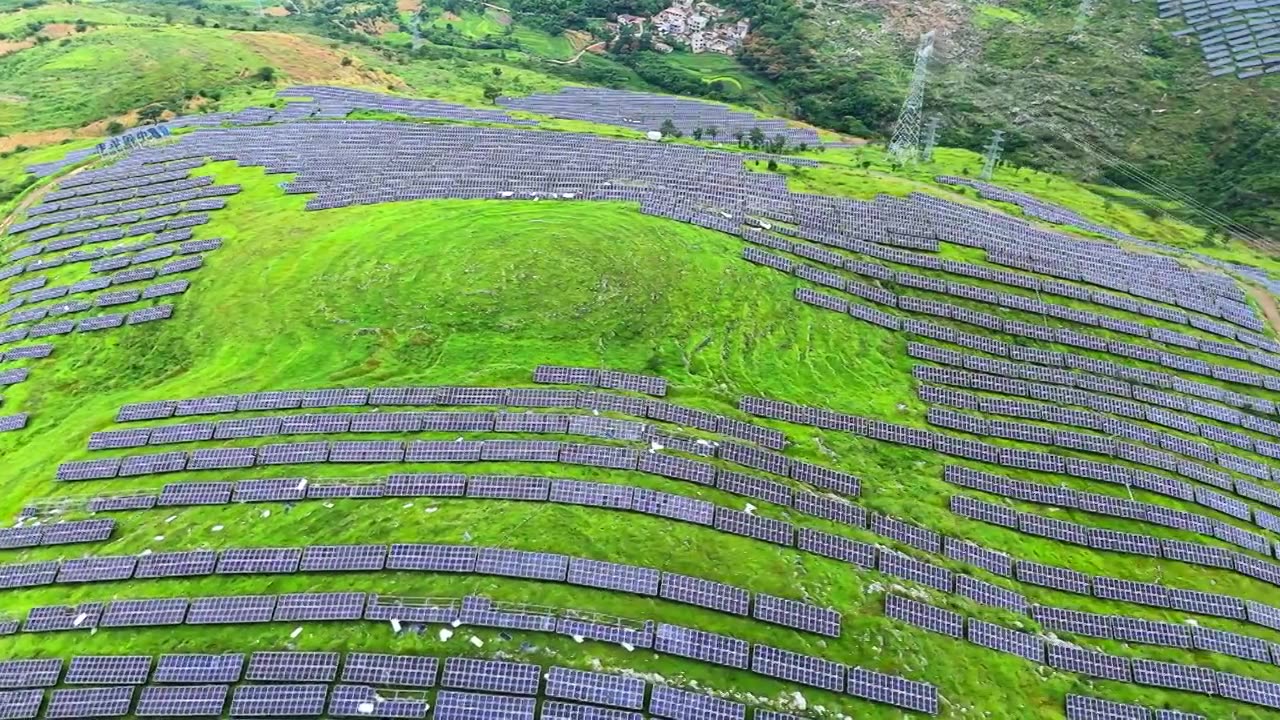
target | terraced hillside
x=460, y=414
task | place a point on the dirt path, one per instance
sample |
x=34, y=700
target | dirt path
x=1268, y=304
x=32, y=199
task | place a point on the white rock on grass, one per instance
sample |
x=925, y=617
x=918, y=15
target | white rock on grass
x=216, y=528
x=445, y=634
x=296, y=632
x=476, y=641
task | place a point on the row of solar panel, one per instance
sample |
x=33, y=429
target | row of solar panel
x=1071, y=658
x=991, y=345
x=1027, y=459
x=1122, y=428
x=1079, y=380
x=424, y=558
x=608, y=379
x=501, y=676
x=470, y=396
x=1116, y=507
x=1125, y=475
x=60, y=533
x=911, y=309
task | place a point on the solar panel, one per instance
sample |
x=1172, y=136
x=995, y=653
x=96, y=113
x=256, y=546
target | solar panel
x=705, y=593
x=426, y=485
x=320, y=606
x=432, y=558
x=293, y=453
x=521, y=450
x=596, y=687
x=1229, y=643
x=669, y=702
x=194, y=493
x=1172, y=675
x=1080, y=707
x=235, y=609
x=796, y=614
x=28, y=574
x=836, y=547
x=798, y=668
x=349, y=558
x=199, y=668
x=270, y=490
x=90, y=702
x=1250, y=690
x=20, y=704
x=182, y=701
x=557, y=710
x=752, y=526
x=1006, y=640
x=575, y=492
x=924, y=615
x=1073, y=621
x=278, y=700
x=613, y=576
x=1054, y=577
x=508, y=487
x=675, y=507
x=491, y=675
x=909, y=568
x=392, y=670
x=1088, y=662
x=418, y=610
x=520, y=563
x=151, y=612
x=43, y=672
x=176, y=564
x=364, y=701
x=96, y=569
x=701, y=645
x=893, y=690
x=832, y=508
x=258, y=560
x=443, y=451
x=78, y=531
x=603, y=456
x=453, y=705
x=56, y=618
x=293, y=666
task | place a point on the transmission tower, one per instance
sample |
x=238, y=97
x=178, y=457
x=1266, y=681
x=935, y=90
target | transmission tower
x=1083, y=13
x=417, y=32
x=930, y=138
x=992, y=155
x=905, y=145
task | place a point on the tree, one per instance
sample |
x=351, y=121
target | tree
x=756, y=137
x=773, y=165
x=802, y=147
x=266, y=73
x=114, y=127
x=346, y=61
x=778, y=144
x=497, y=72
x=739, y=135
x=492, y=93
x=199, y=20
x=151, y=113
x=712, y=131
x=82, y=26
x=669, y=129
x=697, y=133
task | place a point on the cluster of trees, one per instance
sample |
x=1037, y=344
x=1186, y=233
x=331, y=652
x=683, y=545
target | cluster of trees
x=754, y=139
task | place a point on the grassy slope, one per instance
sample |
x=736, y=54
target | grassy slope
x=480, y=292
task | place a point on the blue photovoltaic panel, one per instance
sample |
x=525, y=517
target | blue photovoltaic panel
x=705, y=593
x=199, y=668
x=293, y=666
x=491, y=675
x=674, y=704
x=798, y=668
x=893, y=690
x=182, y=701
x=595, y=687
x=20, y=704
x=365, y=701
x=453, y=705
x=108, y=670
x=43, y=672
x=613, y=576
x=279, y=700
x=702, y=645
x=391, y=670
x=796, y=614
x=558, y=710
x=90, y=702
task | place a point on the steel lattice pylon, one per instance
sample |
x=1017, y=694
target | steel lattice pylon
x=992, y=155
x=905, y=145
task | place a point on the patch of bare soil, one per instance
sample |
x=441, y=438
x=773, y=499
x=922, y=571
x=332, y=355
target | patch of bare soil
x=578, y=39
x=1268, y=304
x=449, y=17
x=8, y=46
x=304, y=61
x=31, y=199
x=277, y=11
x=409, y=6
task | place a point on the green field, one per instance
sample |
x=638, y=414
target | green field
x=479, y=293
